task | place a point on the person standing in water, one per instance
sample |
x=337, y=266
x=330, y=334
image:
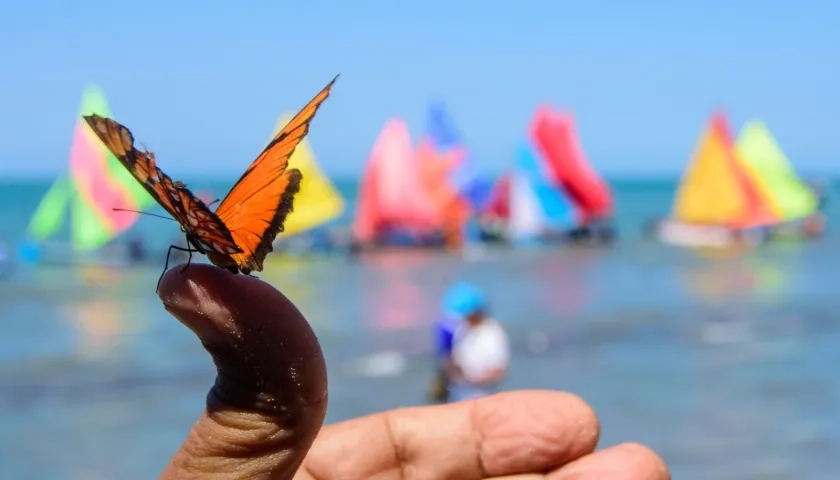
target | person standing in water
x=480, y=350
x=5, y=260
x=444, y=330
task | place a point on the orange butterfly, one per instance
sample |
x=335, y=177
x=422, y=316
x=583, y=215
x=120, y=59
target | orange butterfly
x=240, y=233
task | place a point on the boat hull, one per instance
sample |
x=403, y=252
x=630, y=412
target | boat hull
x=671, y=232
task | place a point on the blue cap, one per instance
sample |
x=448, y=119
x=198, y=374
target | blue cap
x=464, y=299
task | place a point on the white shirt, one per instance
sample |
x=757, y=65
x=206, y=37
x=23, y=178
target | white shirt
x=480, y=349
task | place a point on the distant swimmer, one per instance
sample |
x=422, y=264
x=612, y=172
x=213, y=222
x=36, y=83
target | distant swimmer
x=5, y=260
x=137, y=249
x=480, y=348
x=445, y=325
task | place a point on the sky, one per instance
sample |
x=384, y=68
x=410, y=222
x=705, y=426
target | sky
x=202, y=83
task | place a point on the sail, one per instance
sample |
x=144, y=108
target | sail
x=51, y=212
x=87, y=231
x=451, y=209
x=392, y=193
x=367, y=220
x=715, y=189
x=555, y=136
x=100, y=184
x=93, y=101
x=466, y=177
x=557, y=209
x=498, y=205
x=318, y=201
x=526, y=215
x=772, y=171
x=97, y=184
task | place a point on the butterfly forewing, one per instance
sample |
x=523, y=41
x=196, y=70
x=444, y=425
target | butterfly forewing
x=185, y=208
x=141, y=165
x=260, y=201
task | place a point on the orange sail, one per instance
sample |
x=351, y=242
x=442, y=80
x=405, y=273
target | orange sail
x=451, y=209
x=716, y=188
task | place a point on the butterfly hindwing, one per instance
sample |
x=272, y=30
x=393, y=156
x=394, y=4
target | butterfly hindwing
x=257, y=206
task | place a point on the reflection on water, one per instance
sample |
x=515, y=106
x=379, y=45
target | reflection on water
x=99, y=327
x=725, y=364
x=396, y=301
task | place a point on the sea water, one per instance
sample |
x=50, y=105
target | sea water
x=725, y=364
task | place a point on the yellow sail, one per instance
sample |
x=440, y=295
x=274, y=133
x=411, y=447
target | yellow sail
x=790, y=198
x=711, y=192
x=318, y=201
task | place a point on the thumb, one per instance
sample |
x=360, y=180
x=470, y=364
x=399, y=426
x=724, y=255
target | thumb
x=270, y=395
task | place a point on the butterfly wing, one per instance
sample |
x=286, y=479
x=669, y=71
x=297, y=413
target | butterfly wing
x=174, y=197
x=120, y=141
x=260, y=201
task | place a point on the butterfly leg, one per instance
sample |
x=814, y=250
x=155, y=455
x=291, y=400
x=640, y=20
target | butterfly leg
x=166, y=264
x=189, y=251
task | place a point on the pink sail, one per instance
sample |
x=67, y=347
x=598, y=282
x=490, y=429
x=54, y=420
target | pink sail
x=393, y=193
x=89, y=169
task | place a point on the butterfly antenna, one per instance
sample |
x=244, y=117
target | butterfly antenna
x=143, y=213
x=214, y=201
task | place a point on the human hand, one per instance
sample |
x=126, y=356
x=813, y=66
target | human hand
x=270, y=396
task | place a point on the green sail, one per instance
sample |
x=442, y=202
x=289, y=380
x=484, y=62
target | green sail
x=87, y=231
x=93, y=101
x=51, y=212
x=791, y=197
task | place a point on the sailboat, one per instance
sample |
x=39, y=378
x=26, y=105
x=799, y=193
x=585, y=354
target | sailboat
x=555, y=135
x=792, y=200
x=527, y=205
x=318, y=202
x=718, y=203
x=552, y=193
x=95, y=185
x=394, y=205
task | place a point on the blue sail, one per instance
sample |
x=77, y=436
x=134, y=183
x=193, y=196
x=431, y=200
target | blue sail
x=466, y=177
x=557, y=210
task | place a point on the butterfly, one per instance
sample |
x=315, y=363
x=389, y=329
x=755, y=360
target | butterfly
x=241, y=232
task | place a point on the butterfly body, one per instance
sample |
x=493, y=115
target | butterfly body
x=242, y=230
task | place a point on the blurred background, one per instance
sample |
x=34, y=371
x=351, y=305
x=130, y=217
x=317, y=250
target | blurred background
x=644, y=191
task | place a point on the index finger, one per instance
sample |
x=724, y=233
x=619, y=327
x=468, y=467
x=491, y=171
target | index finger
x=505, y=434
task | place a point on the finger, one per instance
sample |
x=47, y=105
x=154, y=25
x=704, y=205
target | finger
x=270, y=395
x=504, y=434
x=628, y=461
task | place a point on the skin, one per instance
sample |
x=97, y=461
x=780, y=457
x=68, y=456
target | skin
x=264, y=413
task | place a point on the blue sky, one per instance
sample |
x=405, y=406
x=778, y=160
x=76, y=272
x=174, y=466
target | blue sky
x=202, y=83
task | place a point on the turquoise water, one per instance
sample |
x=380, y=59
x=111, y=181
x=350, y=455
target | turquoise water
x=726, y=365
